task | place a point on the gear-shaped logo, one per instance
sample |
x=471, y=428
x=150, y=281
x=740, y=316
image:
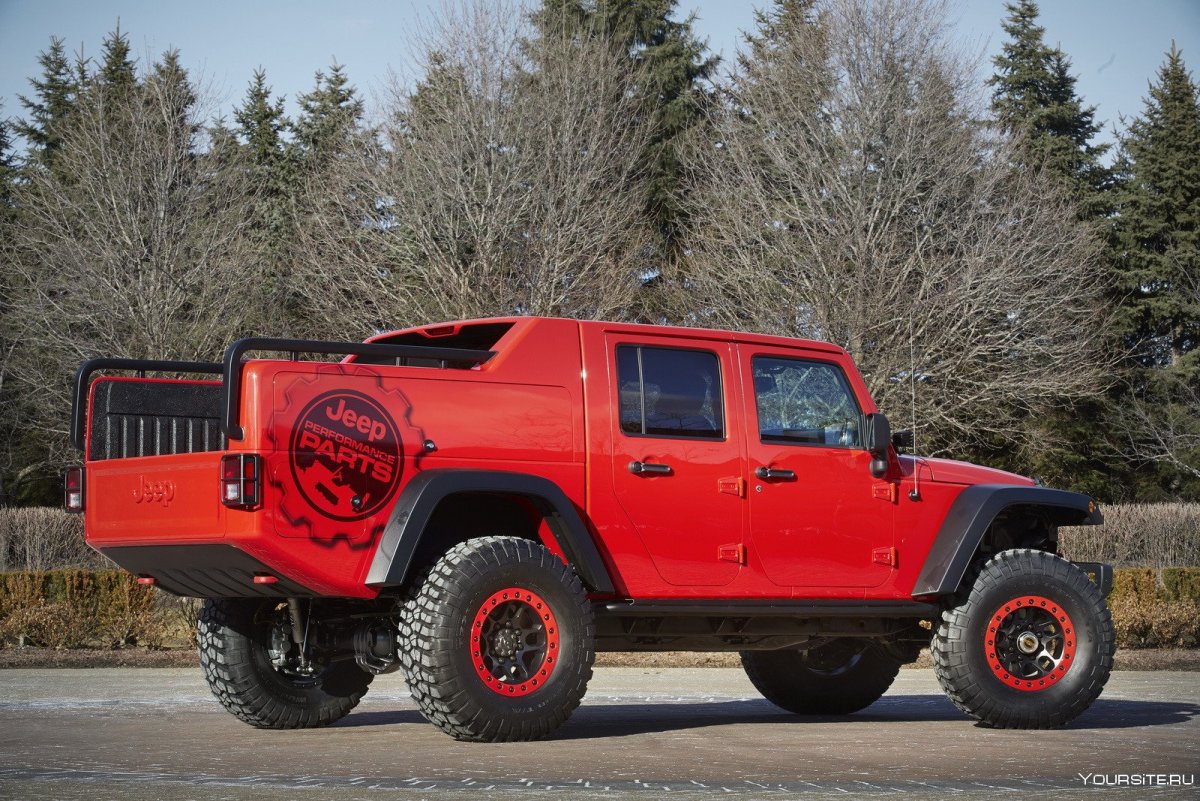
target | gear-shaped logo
x=346, y=455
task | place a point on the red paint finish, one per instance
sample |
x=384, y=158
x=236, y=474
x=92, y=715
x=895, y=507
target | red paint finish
x=682, y=517
x=340, y=441
x=821, y=527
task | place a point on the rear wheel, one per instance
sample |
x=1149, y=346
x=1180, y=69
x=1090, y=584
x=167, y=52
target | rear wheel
x=500, y=641
x=1027, y=645
x=840, y=677
x=250, y=663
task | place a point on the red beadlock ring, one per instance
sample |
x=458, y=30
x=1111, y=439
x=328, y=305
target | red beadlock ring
x=514, y=642
x=1030, y=643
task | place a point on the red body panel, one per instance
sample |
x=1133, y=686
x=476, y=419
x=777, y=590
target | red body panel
x=333, y=435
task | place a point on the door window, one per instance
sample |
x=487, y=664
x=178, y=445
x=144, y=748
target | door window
x=670, y=392
x=805, y=403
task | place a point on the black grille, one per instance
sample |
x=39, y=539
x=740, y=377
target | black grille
x=154, y=418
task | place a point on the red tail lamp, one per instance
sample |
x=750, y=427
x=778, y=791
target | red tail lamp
x=73, y=488
x=241, y=480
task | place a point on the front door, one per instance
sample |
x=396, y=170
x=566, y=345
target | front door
x=815, y=520
x=677, y=463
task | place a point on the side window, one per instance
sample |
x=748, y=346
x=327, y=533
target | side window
x=667, y=392
x=804, y=403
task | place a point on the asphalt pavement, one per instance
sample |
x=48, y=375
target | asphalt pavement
x=641, y=733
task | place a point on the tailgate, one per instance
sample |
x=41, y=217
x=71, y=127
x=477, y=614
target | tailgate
x=154, y=499
x=153, y=460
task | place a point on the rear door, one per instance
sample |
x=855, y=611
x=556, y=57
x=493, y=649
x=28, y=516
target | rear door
x=816, y=517
x=677, y=462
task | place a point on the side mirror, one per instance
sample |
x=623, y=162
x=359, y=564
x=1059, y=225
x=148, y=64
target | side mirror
x=903, y=440
x=878, y=437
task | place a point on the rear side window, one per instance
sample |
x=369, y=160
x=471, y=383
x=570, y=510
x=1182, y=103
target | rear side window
x=669, y=392
x=804, y=403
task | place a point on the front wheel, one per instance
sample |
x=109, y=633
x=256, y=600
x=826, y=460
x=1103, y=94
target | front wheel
x=247, y=656
x=500, y=640
x=1028, y=645
x=837, y=678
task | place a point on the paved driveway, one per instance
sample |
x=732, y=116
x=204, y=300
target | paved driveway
x=641, y=733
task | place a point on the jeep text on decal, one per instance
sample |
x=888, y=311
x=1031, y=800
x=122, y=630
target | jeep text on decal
x=346, y=455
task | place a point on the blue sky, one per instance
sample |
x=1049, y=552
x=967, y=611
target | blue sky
x=1115, y=45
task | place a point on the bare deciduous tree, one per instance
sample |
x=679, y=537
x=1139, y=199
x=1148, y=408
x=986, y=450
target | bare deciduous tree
x=504, y=183
x=853, y=197
x=133, y=246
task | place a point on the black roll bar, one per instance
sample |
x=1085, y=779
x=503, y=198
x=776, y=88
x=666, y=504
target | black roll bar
x=231, y=370
x=84, y=374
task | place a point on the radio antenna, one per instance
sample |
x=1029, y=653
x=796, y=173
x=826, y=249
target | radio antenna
x=915, y=495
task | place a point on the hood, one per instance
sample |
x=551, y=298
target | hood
x=949, y=471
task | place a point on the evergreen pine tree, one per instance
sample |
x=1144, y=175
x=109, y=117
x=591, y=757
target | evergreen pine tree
x=1033, y=93
x=329, y=117
x=261, y=124
x=673, y=65
x=773, y=50
x=8, y=175
x=1158, y=230
x=53, y=96
x=175, y=89
x=118, y=70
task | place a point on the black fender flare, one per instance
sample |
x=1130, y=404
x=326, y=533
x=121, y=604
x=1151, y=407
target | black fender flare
x=973, y=511
x=419, y=499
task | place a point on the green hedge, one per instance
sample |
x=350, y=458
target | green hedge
x=108, y=608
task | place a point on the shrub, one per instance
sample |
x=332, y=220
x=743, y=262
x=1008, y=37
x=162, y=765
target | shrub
x=48, y=625
x=1155, y=623
x=44, y=539
x=72, y=608
x=1138, y=535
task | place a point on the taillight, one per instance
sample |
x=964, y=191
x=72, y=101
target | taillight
x=241, y=483
x=73, y=488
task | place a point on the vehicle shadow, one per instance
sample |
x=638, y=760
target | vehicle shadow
x=599, y=720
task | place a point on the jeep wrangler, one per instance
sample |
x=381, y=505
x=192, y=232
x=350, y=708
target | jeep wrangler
x=485, y=504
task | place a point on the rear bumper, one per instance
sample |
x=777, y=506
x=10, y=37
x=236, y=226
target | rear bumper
x=205, y=571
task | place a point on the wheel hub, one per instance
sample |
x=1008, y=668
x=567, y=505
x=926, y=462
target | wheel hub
x=514, y=642
x=506, y=642
x=1030, y=643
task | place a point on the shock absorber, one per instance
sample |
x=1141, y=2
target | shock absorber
x=299, y=623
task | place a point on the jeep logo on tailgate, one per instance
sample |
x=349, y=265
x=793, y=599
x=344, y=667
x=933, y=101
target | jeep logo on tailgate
x=154, y=491
x=346, y=455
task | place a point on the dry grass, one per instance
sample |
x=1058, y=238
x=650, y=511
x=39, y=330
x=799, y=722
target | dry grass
x=1139, y=535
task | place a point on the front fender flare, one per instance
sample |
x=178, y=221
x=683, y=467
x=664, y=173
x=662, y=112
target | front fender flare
x=419, y=499
x=973, y=511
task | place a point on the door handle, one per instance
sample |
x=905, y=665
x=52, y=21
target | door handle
x=773, y=474
x=649, y=469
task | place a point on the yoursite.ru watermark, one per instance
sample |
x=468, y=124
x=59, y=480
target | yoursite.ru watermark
x=1138, y=779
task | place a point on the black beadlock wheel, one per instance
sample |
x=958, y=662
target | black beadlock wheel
x=837, y=678
x=234, y=638
x=1026, y=644
x=499, y=640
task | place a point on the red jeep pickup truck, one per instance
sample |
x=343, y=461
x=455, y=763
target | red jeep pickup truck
x=485, y=504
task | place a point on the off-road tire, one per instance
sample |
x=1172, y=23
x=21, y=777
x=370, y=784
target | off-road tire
x=962, y=663
x=441, y=673
x=807, y=682
x=233, y=654
x=406, y=647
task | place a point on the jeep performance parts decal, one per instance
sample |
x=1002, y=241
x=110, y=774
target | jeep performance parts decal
x=346, y=455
